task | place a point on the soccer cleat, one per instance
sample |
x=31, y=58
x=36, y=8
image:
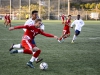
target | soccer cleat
x=11, y=47
x=62, y=40
x=72, y=41
x=39, y=60
x=30, y=64
x=13, y=51
x=59, y=41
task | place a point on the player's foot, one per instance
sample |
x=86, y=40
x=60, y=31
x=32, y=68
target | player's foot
x=62, y=40
x=59, y=41
x=39, y=60
x=30, y=64
x=11, y=47
x=13, y=51
x=72, y=41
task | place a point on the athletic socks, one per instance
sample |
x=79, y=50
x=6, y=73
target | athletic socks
x=17, y=46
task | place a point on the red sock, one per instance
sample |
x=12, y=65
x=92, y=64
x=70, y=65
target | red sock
x=36, y=54
x=65, y=37
x=26, y=51
x=60, y=38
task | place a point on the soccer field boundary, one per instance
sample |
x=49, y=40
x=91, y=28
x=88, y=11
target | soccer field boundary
x=91, y=38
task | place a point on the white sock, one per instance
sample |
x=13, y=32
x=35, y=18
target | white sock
x=74, y=37
x=17, y=46
x=36, y=59
x=32, y=59
x=20, y=51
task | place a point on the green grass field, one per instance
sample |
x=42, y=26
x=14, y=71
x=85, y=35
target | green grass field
x=80, y=58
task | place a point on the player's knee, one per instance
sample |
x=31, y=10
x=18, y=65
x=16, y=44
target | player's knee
x=35, y=49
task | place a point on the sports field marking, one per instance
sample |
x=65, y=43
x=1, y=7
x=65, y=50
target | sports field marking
x=92, y=38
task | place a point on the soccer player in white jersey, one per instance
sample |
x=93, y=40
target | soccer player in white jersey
x=79, y=23
x=30, y=22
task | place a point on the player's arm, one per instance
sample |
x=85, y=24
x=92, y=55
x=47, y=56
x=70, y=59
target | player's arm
x=73, y=23
x=20, y=27
x=82, y=23
x=48, y=35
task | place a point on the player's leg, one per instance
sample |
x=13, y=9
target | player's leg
x=10, y=23
x=67, y=34
x=36, y=52
x=36, y=59
x=5, y=21
x=62, y=20
x=61, y=39
x=15, y=46
x=24, y=44
x=77, y=32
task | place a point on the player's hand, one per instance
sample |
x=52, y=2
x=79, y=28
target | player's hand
x=11, y=28
x=56, y=37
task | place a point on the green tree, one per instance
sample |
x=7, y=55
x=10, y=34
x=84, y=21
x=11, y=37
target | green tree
x=87, y=6
x=82, y=6
x=98, y=6
x=92, y=6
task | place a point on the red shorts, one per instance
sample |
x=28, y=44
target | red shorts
x=27, y=44
x=8, y=21
x=66, y=30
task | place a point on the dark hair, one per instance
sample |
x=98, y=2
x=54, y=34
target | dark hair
x=37, y=20
x=34, y=11
x=69, y=15
x=78, y=17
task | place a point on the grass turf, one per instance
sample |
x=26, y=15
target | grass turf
x=80, y=58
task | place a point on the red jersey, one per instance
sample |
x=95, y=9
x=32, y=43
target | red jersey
x=67, y=24
x=63, y=16
x=5, y=17
x=8, y=17
x=31, y=32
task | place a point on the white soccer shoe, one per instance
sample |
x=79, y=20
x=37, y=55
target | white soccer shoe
x=72, y=41
x=60, y=41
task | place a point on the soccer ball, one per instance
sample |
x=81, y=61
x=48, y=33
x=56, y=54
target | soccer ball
x=43, y=66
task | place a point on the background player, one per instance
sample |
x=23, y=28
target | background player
x=66, y=29
x=5, y=19
x=79, y=23
x=8, y=20
x=26, y=42
x=63, y=18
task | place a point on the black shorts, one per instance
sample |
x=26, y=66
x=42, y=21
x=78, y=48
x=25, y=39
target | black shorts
x=77, y=32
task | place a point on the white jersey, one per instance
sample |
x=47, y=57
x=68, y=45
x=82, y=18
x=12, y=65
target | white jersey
x=78, y=24
x=31, y=22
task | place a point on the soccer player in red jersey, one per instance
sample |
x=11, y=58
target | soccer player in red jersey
x=63, y=18
x=5, y=20
x=66, y=29
x=28, y=47
x=8, y=20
